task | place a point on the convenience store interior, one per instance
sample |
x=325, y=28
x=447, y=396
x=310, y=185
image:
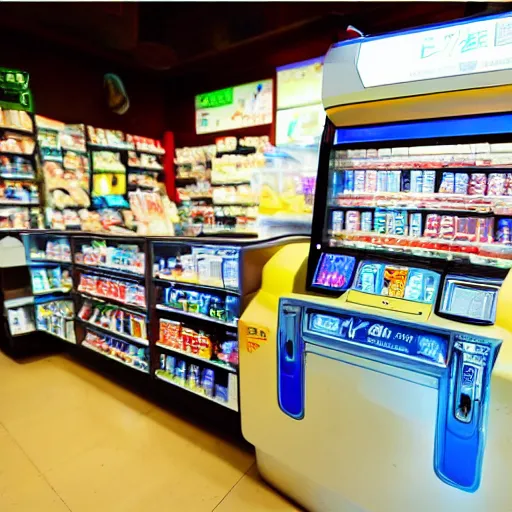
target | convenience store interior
x=138, y=221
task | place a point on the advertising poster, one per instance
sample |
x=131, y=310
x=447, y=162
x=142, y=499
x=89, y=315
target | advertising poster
x=234, y=107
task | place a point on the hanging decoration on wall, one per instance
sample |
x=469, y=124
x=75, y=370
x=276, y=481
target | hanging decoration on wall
x=117, y=98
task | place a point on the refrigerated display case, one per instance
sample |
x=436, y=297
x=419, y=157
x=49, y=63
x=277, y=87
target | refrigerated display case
x=395, y=318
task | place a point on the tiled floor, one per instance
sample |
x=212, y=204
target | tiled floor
x=70, y=439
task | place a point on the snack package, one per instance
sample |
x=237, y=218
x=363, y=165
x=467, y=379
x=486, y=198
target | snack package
x=369, y=279
x=447, y=183
x=447, y=227
x=503, y=236
x=432, y=225
x=477, y=184
x=394, y=281
x=359, y=181
x=379, y=221
x=366, y=221
x=461, y=183
x=496, y=184
x=371, y=181
x=415, y=287
x=208, y=382
x=415, y=225
x=429, y=182
x=353, y=221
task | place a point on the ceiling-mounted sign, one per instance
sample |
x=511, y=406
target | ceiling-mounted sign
x=234, y=107
x=299, y=84
x=453, y=50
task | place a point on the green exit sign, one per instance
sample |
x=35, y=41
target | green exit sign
x=214, y=99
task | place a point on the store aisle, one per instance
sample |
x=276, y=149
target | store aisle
x=70, y=439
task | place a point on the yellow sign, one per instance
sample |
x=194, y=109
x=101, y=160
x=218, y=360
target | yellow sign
x=255, y=336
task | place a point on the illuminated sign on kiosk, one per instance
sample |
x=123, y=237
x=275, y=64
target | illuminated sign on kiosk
x=461, y=49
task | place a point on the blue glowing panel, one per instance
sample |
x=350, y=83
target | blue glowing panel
x=382, y=335
x=460, y=126
x=334, y=271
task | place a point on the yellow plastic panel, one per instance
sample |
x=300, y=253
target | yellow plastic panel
x=389, y=303
x=446, y=104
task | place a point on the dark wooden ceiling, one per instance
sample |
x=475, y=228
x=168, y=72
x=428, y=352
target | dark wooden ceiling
x=177, y=37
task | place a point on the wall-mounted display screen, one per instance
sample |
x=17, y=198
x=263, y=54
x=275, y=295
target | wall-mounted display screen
x=235, y=107
x=300, y=84
x=474, y=300
x=334, y=271
x=415, y=284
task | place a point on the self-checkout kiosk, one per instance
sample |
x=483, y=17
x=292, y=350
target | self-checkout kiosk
x=376, y=361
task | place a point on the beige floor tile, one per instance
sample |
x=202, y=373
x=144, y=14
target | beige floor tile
x=252, y=494
x=77, y=441
x=22, y=487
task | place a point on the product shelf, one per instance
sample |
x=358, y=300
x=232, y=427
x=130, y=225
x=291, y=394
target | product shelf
x=19, y=302
x=476, y=253
x=114, y=358
x=163, y=307
x=134, y=307
x=63, y=338
x=13, y=202
x=168, y=282
x=13, y=176
x=217, y=364
x=110, y=271
x=162, y=376
x=114, y=334
x=52, y=290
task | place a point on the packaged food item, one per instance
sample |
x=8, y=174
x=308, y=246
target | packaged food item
x=461, y=183
x=394, y=281
x=447, y=227
x=370, y=185
x=370, y=278
x=503, y=236
x=337, y=221
x=508, y=184
x=170, y=364
x=349, y=182
x=401, y=222
x=429, y=182
x=359, y=181
x=406, y=181
x=447, y=183
x=194, y=377
x=485, y=229
x=415, y=225
x=221, y=393
x=390, y=222
x=180, y=372
x=394, y=181
x=208, y=382
x=477, y=184
x=496, y=184
x=379, y=221
x=382, y=181
x=366, y=221
x=353, y=222
x=415, y=288
x=416, y=181
x=205, y=346
x=171, y=334
x=432, y=225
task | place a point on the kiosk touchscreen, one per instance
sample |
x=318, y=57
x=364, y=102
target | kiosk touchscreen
x=376, y=361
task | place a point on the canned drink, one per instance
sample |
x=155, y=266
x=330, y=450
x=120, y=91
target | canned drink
x=415, y=225
x=366, y=221
x=429, y=182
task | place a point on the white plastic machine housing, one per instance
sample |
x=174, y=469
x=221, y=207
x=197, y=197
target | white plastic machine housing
x=342, y=419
